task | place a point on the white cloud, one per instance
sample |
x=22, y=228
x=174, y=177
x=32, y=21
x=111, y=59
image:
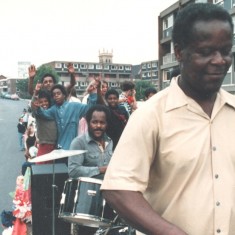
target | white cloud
x=41, y=31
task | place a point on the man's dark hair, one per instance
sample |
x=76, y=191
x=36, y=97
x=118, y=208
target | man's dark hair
x=60, y=87
x=127, y=85
x=182, y=33
x=149, y=90
x=104, y=82
x=45, y=94
x=48, y=75
x=99, y=108
x=111, y=92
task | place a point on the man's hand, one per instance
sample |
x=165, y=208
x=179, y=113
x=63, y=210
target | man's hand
x=70, y=68
x=32, y=71
x=133, y=92
x=38, y=87
x=92, y=87
x=35, y=104
x=102, y=169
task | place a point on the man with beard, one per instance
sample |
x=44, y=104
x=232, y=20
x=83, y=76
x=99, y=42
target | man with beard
x=94, y=162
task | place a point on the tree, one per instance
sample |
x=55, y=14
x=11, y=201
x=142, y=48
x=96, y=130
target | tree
x=140, y=87
x=22, y=88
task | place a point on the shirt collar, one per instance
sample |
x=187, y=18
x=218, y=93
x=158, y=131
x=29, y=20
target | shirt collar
x=172, y=102
x=89, y=138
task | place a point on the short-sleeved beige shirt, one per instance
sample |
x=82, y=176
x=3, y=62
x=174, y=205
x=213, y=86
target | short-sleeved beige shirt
x=181, y=160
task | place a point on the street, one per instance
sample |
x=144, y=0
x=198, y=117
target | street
x=11, y=158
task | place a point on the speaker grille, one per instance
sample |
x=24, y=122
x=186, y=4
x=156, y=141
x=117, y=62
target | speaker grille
x=41, y=190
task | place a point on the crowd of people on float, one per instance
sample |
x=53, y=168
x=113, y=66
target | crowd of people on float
x=58, y=119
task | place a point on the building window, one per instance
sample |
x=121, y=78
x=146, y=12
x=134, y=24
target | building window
x=91, y=66
x=113, y=67
x=233, y=19
x=143, y=66
x=114, y=84
x=75, y=66
x=98, y=66
x=83, y=66
x=106, y=67
x=58, y=65
x=168, y=22
x=149, y=65
x=83, y=84
x=128, y=68
x=154, y=64
x=154, y=74
x=218, y=2
x=120, y=67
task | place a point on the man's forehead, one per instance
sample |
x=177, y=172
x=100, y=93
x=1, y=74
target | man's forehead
x=47, y=78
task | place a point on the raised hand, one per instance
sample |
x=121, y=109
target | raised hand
x=38, y=86
x=35, y=103
x=32, y=71
x=70, y=68
x=92, y=87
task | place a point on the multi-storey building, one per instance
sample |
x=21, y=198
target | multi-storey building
x=7, y=85
x=166, y=57
x=111, y=72
x=149, y=72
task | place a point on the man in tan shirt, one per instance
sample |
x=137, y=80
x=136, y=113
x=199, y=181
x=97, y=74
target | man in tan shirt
x=173, y=171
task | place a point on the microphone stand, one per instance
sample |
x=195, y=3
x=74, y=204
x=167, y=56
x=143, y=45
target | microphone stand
x=53, y=197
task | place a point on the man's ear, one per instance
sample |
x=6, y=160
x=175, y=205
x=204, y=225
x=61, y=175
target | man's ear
x=178, y=52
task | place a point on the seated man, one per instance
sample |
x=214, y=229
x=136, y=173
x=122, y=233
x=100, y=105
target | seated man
x=92, y=163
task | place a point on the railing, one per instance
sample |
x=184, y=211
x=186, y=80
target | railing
x=167, y=33
x=169, y=58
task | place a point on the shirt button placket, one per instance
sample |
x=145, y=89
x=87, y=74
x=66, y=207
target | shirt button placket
x=216, y=177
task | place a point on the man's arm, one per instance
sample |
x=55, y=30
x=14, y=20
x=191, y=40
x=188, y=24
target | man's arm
x=46, y=113
x=134, y=103
x=133, y=207
x=71, y=71
x=92, y=99
x=32, y=73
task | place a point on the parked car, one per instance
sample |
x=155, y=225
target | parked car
x=7, y=96
x=2, y=95
x=15, y=97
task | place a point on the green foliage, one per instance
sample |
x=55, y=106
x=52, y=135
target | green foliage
x=42, y=70
x=140, y=87
x=22, y=87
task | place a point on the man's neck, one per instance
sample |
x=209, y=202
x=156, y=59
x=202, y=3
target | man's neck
x=206, y=101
